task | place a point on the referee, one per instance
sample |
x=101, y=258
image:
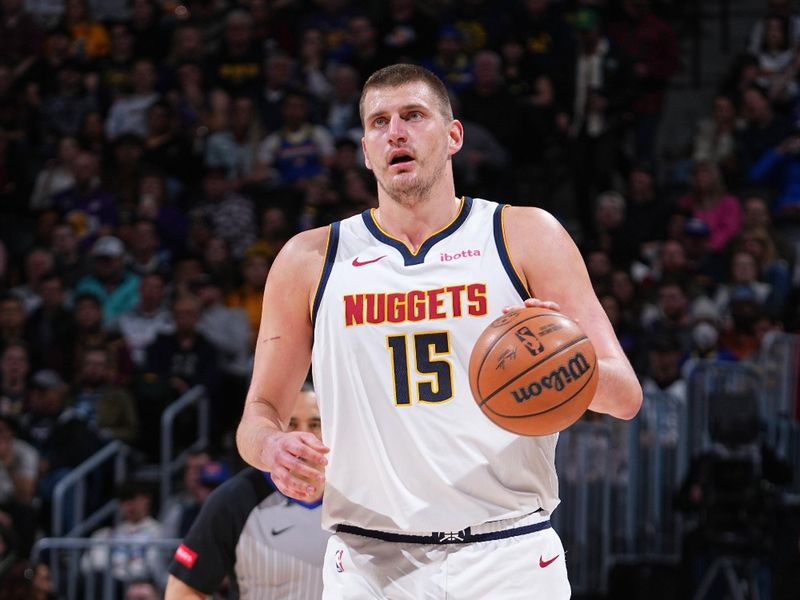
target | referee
x=267, y=545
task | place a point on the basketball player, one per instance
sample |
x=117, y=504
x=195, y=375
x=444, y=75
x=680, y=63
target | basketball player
x=269, y=546
x=427, y=497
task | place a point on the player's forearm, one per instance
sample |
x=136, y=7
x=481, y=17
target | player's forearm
x=177, y=590
x=260, y=422
x=618, y=391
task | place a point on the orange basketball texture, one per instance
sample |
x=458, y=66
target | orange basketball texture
x=533, y=371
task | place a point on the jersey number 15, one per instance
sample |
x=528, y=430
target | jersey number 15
x=429, y=350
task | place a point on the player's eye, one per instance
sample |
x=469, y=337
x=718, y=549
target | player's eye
x=380, y=122
x=292, y=425
x=414, y=115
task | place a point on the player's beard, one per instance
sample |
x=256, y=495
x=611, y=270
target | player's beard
x=411, y=194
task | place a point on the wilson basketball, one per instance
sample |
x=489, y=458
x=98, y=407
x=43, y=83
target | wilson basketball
x=533, y=371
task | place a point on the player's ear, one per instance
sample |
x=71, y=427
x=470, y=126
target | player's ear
x=364, y=152
x=456, y=137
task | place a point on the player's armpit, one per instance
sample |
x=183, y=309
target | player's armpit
x=178, y=590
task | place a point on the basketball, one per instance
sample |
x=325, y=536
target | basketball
x=533, y=371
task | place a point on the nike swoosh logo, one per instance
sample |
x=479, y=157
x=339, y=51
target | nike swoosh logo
x=280, y=531
x=360, y=263
x=544, y=563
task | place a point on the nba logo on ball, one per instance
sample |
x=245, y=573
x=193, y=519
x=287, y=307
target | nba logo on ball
x=533, y=371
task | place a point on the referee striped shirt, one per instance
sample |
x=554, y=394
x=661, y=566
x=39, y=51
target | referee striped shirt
x=268, y=545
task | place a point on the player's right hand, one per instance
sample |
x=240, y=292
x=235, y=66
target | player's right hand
x=297, y=463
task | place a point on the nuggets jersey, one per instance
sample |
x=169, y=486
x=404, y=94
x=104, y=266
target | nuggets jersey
x=393, y=331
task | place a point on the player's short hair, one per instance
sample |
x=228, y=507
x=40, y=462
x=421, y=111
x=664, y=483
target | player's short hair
x=402, y=74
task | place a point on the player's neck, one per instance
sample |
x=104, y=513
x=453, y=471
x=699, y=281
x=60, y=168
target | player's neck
x=413, y=224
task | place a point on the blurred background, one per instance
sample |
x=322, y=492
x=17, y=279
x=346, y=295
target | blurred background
x=155, y=156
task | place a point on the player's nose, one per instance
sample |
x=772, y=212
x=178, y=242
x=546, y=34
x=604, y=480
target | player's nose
x=397, y=129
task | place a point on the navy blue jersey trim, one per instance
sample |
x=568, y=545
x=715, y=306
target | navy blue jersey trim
x=330, y=256
x=505, y=257
x=464, y=536
x=409, y=257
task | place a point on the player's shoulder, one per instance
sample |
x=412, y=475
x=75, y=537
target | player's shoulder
x=304, y=253
x=530, y=222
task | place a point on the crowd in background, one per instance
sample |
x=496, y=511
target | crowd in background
x=155, y=156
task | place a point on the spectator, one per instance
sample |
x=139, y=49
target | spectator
x=128, y=113
x=181, y=509
x=12, y=320
x=610, y=232
x=772, y=269
x=14, y=370
x=488, y=89
x=670, y=315
x=650, y=44
x=245, y=528
x=151, y=38
x=236, y=67
x=70, y=264
x=48, y=329
x=89, y=38
x=146, y=254
x=407, y=32
x=20, y=37
x=781, y=9
x=124, y=170
x=175, y=363
x=166, y=148
x=142, y=590
x=297, y=152
x=313, y=68
x=449, y=62
x=278, y=80
x=234, y=148
x=764, y=129
x=740, y=333
x=56, y=176
x=62, y=438
x=545, y=37
x=230, y=214
x=601, y=89
x=743, y=281
x=228, y=329
x=780, y=167
x=757, y=215
x=153, y=203
x=115, y=69
x=109, y=409
x=86, y=206
x=65, y=106
x=776, y=62
x=19, y=471
x=90, y=334
x=366, y=52
x=664, y=368
x=709, y=201
x=715, y=138
x=27, y=581
x=115, y=286
x=140, y=326
x=254, y=268
x=219, y=264
x=38, y=263
x=127, y=562
x=341, y=109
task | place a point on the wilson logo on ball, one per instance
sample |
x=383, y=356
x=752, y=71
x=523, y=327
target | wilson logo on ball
x=574, y=370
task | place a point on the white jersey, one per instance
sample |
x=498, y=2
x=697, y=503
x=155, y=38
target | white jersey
x=393, y=332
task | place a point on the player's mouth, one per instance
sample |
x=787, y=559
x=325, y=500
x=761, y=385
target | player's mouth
x=399, y=160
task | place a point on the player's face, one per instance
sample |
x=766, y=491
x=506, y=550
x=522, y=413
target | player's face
x=407, y=141
x=306, y=415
